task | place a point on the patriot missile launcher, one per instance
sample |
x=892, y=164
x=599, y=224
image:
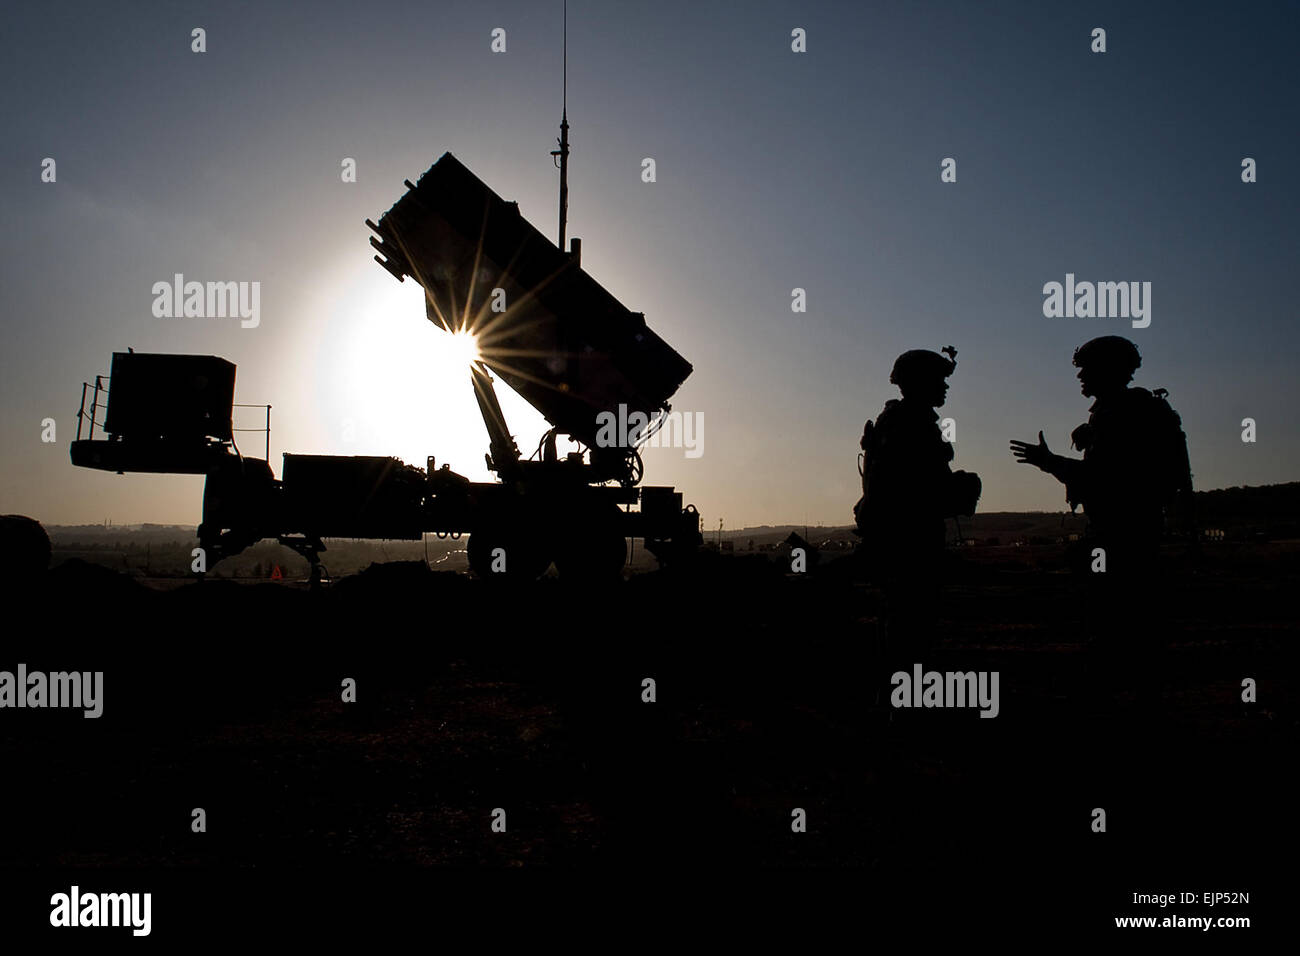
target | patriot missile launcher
x=541, y=323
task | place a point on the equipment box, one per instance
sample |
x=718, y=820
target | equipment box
x=180, y=397
x=353, y=496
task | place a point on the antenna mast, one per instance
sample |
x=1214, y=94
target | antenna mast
x=563, y=151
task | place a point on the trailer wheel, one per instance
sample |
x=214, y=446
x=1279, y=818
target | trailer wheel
x=506, y=555
x=595, y=549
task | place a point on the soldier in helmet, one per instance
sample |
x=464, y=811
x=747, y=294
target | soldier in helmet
x=1134, y=461
x=1134, y=468
x=908, y=488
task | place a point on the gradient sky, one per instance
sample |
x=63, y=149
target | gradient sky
x=775, y=170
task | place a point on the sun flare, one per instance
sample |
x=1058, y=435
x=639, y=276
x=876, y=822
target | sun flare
x=461, y=348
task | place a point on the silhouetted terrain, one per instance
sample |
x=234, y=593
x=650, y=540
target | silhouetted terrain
x=1269, y=512
x=226, y=696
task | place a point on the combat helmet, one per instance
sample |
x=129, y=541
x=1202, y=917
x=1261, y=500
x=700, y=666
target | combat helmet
x=1111, y=352
x=922, y=363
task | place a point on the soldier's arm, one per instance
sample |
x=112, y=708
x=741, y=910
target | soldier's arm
x=1070, y=472
x=1067, y=471
x=1040, y=456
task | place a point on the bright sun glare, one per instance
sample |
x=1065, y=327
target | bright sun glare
x=399, y=385
x=462, y=348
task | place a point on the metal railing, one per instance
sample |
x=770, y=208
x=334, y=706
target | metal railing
x=266, y=428
x=95, y=405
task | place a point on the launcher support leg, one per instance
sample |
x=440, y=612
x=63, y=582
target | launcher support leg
x=309, y=548
x=504, y=453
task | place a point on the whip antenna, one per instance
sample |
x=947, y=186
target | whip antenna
x=563, y=151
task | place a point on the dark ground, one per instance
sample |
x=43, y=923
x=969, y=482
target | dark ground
x=226, y=696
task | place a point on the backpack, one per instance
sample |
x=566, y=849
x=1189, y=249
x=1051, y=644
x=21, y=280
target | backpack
x=868, y=445
x=1175, y=467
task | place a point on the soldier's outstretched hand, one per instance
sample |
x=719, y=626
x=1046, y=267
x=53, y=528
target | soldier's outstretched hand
x=1037, y=455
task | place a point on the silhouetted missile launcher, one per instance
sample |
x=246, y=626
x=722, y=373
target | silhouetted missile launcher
x=551, y=331
x=568, y=347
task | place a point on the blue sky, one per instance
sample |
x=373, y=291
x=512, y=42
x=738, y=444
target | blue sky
x=775, y=170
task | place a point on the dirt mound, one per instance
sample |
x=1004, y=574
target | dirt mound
x=398, y=578
x=24, y=548
x=75, y=577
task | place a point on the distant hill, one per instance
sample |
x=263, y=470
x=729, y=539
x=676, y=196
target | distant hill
x=142, y=531
x=1272, y=509
x=1269, y=510
x=1265, y=511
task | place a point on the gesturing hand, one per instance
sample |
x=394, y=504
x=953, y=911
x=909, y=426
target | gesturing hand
x=1037, y=455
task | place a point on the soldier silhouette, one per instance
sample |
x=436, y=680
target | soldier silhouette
x=1134, y=469
x=908, y=489
x=1134, y=464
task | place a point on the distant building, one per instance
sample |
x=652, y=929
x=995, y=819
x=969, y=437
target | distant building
x=794, y=540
